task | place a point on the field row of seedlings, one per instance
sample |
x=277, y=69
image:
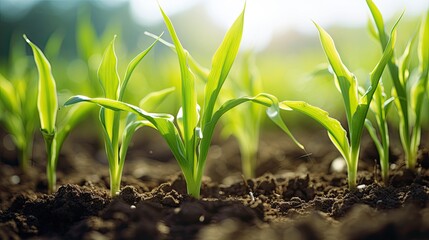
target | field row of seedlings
x=79, y=197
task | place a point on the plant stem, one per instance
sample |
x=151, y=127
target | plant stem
x=384, y=164
x=24, y=160
x=115, y=183
x=248, y=161
x=352, y=168
x=51, y=176
x=193, y=185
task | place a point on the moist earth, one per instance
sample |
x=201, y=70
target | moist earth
x=296, y=195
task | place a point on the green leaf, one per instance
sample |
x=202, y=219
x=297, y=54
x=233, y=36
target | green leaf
x=423, y=49
x=373, y=134
x=336, y=132
x=153, y=99
x=201, y=71
x=362, y=110
x=86, y=36
x=54, y=43
x=346, y=80
x=47, y=102
x=264, y=99
x=74, y=115
x=108, y=73
x=8, y=96
x=131, y=127
x=221, y=65
x=189, y=95
x=421, y=87
x=164, y=123
x=132, y=65
x=379, y=22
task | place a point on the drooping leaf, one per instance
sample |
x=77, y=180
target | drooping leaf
x=162, y=122
x=263, y=99
x=346, y=80
x=336, y=132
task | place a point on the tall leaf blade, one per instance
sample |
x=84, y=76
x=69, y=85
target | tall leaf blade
x=379, y=22
x=189, y=95
x=364, y=103
x=221, y=65
x=47, y=102
x=108, y=73
x=421, y=86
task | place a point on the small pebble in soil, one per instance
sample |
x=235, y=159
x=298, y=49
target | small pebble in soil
x=251, y=196
x=361, y=186
x=162, y=228
x=14, y=179
x=338, y=165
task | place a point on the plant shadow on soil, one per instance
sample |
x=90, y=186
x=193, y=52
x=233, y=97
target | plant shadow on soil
x=296, y=195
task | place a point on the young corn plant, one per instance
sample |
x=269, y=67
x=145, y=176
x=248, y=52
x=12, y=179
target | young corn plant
x=408, y=92
x=190, y=139
x=356, y=106
x=244, y=122
x=54, y=134
x=380, y=106
x=18, y=94
x=116, y=139
x=17, y=115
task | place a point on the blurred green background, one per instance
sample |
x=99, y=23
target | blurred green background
x=287, y=55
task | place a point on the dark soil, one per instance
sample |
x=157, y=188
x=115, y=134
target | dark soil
x=297, y=196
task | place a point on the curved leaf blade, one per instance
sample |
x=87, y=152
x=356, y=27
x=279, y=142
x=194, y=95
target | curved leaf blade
x=336, y=132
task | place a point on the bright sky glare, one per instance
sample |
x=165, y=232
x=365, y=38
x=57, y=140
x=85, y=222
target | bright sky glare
x=264, y=18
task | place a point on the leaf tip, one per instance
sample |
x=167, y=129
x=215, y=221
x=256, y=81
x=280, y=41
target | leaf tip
x=26, y=38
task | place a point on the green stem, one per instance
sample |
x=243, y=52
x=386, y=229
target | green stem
x=51, y=176
x=384, y=164
x=352, y=166
x=24, y=159
x=115, y=182
x=248, y=161
x=193, y=184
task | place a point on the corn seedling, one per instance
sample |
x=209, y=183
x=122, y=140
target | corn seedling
x=117, y=141
x=47, y=105
x=379, y=106
x=18, y=111
x=190, y=139
x=407, y=92
x=356, y=106
x=244, y=122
